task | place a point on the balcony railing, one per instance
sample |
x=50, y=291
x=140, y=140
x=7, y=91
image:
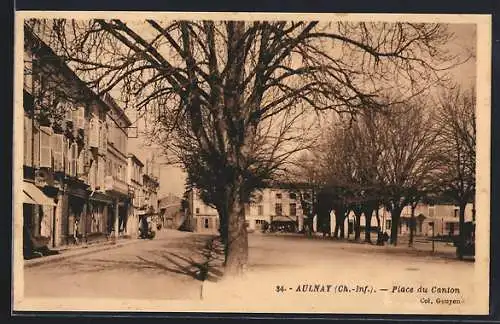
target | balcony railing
x=115, y=185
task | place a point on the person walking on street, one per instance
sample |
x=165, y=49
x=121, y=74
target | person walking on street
x=75, y=231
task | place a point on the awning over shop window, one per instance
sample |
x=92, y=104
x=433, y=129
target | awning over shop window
x=33, y=195
x=28, y=200
x=100, y=197
x=282, y=219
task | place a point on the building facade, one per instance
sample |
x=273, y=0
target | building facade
x=75, y=155
x=115, y=181
x=58, y=152
x=430, y=220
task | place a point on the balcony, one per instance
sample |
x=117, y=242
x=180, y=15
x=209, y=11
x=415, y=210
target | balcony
x=115, y=186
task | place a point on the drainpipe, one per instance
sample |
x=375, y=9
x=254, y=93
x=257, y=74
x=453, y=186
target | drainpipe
x=116, y=218
x=54, y=229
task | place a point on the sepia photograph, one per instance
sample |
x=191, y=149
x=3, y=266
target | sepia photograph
x=257, y=163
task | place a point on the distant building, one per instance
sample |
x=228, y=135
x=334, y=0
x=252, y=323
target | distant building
x=438, y=220
x=171, y=213
x=279, y=208
x=135, y=183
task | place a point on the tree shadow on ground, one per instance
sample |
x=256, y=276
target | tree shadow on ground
x=200, y=259
x=202, y=263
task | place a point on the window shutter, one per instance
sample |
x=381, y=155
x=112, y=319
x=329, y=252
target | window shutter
x=74, y=159
x=91, y=177
x=57, y=152
x=45, y=147
x=81, y=163
x=28, y=136
x=36, y=147
x=81, y=117
x=94, y=133
x=104, y=137
x=101, y=172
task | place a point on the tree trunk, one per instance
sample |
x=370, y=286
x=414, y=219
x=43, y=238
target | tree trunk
x=378, y=219
x=339, y=222
x=395, y=214
x=357, y=225
x=461, y=227
x=368, y=224
x=412, y=225
x=342, y=227
x=237, y=243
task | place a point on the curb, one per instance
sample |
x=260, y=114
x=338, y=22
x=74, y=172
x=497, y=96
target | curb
x=80, y=252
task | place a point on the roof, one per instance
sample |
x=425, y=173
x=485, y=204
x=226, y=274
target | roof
x=169, y=200
x=110, y=101
x=136, y=159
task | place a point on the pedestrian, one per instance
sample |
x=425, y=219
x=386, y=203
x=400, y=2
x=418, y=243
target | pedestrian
x=75, y=231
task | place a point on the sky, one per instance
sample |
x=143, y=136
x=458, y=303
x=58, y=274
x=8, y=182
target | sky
x=172, y=178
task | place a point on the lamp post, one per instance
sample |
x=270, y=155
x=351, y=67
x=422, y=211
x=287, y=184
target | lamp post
x=432, y=224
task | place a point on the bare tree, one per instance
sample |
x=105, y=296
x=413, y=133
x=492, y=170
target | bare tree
x=456, y=176
x=212, y=88
x=408, y=159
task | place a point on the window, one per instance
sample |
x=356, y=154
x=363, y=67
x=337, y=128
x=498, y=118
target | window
x=57, y=152
x=45, y=147
x=206, y=222
x=278, y=208
x=258, y=198
x=260, y=210
x=388, y=224
x=293, y=209
x=293, y=195
x=28, y=71
x=109, y=168
x=431, y=211
x=197, y=210
x=278, y=196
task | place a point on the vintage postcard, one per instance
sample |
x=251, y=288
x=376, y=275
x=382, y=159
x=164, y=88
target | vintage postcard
x=252, y=162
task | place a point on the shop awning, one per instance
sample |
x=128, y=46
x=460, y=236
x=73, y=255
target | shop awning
x=282, y=219
x=33, y=195
x=100, y=197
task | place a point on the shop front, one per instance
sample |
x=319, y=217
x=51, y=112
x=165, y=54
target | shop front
x=38, y=215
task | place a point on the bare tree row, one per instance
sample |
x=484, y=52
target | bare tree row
x=401, y=155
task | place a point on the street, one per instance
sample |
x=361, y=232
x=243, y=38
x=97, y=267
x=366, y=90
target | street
x=167, y=267
x=171, y=267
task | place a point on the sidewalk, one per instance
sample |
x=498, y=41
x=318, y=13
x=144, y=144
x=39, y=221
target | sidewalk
x=66, y=252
